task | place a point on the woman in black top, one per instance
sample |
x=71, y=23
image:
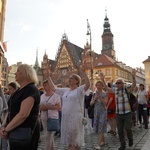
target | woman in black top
x=24, y=106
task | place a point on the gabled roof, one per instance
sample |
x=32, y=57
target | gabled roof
x=75, y=51
x=104, y=60
x=52, y=62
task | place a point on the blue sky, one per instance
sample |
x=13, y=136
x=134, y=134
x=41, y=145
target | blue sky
x=39, y=24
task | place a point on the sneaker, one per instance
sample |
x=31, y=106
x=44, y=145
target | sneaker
x=114, y=134
x=122, y=148
x=110, y=131
x=97, y=147
x=140, y=126
x=130, y=142
x=103, y=144
x=56, y=133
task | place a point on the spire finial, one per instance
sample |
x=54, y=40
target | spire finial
x=37, y=52
x=106, y=11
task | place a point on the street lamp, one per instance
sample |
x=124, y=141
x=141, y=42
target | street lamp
x=90, y=52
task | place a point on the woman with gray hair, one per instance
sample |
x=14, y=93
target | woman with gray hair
x=23, y=107
x=72, y=128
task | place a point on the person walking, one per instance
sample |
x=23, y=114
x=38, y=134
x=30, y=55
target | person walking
x=100, y=113
x=135, y=113
x=111, y=111
x=142, y=108
x=123, y=109
x=23, y=107
x=89, y=113
x=49, y=107
x=72, y=128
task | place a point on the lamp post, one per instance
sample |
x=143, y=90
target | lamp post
x=90, y=52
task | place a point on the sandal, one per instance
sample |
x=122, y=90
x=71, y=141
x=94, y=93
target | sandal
x=110, y=131
x=114, y=133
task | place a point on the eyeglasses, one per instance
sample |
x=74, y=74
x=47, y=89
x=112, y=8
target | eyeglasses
x=118, y=82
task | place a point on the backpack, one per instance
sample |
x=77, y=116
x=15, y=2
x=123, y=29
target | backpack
x=132, y=100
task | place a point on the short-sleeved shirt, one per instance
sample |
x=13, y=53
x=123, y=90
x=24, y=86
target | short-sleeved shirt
x=16, y=99
x=142, y=97
x=122, y=102
x=53, y=100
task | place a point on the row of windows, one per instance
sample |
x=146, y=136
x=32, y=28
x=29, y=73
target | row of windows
x=108, y=72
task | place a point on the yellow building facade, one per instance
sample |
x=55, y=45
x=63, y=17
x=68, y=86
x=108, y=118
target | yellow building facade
x=2, y=23
x=147, y=71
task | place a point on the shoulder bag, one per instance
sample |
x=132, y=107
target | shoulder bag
x=21, y=136
x=52, y=124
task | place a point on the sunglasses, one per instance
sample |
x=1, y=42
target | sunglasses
x=118, y=82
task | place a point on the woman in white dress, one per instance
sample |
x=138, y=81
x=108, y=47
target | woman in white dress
x=72, y=128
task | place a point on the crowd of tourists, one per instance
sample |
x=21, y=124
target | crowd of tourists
x=26, y=110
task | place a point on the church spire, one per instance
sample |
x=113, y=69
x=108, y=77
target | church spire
x=36, y=61
x=107, y=39
x=106, y=24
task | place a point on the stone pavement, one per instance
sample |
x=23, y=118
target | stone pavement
x=141, y=141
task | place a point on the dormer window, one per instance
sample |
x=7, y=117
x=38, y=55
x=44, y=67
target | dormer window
x=99, y=64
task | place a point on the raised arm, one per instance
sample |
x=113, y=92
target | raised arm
x=51, y=83
x=86, y=79
x=102, y=76
x=134, y=80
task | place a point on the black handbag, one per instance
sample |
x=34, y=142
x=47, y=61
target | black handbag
x=110, y=111
x=21, y=137
x=52, y=124
x=91, y=112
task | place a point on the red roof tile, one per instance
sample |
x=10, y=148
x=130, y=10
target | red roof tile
x=104, y=60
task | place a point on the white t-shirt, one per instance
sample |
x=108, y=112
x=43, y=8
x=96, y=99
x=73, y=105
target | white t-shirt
x=142, y=97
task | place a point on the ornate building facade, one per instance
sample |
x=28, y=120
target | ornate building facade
x=147, y=71
x=4, y=76
x=70, y=58
x=2, y=22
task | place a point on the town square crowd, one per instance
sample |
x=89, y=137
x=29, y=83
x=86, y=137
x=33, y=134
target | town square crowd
x=24, y=106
